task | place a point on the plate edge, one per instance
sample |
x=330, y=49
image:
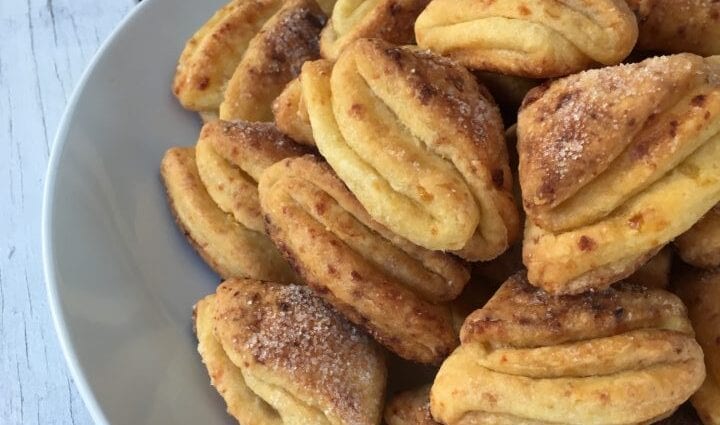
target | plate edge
x=46, y=235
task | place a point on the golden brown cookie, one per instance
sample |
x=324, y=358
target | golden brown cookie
x=700, y=290
x=614, y=164
x=676, y=26
x=241, y=59
x=530, y=38
x=410, y=408
x=242, y=403
x=394, y=289
x=273, y=58
x=419, y=142
x=624, y=355
x=700, y=246
x=231, y=156
x=389, y=20
x=279, y=356
x=227, y=246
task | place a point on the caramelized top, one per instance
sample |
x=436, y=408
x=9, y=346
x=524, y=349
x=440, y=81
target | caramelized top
x=252, y=146
x=295, y=336
x=523, y=316
x=571, y=130
x=214, y=51
x=445, y=91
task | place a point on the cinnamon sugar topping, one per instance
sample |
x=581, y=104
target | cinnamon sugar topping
x=292, y=331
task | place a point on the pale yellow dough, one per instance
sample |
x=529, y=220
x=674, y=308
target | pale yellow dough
x=279, y=356
x=615, y=163
x=419, y=143
x=616, y=357
x=530, y=38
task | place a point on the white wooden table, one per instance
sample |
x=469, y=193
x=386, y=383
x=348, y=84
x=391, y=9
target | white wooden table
x=44, y=48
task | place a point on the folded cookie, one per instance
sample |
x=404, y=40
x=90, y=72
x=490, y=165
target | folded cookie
x=279, y=356
x=212, y=191
x=389, y=20
x=419, y=142
x=396, y=290
x=700, y=290
x=410, y=408
x=530, y=38
x=674, y=26
x=700, y=246
x=614, y=164
x=624, y=355
x=241, y=59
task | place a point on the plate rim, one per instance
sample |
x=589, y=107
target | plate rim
x=46, y=228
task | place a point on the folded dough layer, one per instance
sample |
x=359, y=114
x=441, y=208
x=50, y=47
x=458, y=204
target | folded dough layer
x=529, y=38
x=619, y=356
x=614, y=164
x=291, y=116
x=241, y=59
x=228, y=247
x=389, y=20
x=419, y=143
x=279, y=355
x=394, y=289
x=212, y=190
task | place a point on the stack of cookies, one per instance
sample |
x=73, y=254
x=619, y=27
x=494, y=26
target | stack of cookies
x=456, y=211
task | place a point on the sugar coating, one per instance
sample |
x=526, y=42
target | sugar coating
x=294, y=333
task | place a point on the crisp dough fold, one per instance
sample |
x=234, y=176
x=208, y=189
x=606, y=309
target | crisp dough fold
x=394, y=289
x=236, y=64
x=621, y=356
x=212, y=191
x=529, y=38
x=389, y=20
x=614, y=164
x=419, y=142
x=279, y=356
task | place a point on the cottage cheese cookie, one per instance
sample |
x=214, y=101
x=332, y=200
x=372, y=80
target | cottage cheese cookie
x=279, y=356
x=241, y=59
x=530, y=38
x=394, y=289
x=614, y=164
x=619, y=356
x=419, y=143
x=389, y=20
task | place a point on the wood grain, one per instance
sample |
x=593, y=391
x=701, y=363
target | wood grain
x=44, y=47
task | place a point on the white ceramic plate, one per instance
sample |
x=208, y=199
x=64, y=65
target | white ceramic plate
x=121, y=278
